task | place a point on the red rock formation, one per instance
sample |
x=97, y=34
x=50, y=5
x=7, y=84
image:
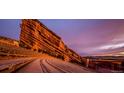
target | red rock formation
x=8, y=41
x=36, y=36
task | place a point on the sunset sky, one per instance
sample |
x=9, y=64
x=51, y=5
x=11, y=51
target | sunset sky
x=85, y=36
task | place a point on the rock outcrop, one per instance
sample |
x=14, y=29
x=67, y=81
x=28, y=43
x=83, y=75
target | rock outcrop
x=36, y=36
x=8, y=41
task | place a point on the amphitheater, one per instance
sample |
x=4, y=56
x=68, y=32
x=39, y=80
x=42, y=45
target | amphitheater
x=38, y=50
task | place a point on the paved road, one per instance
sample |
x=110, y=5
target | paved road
x=40, y=65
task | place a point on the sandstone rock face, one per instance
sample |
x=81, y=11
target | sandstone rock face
x=8, y=41
x=36, y=36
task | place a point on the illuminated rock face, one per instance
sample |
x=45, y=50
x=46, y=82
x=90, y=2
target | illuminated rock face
x=8, y=41
x=36, y=36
